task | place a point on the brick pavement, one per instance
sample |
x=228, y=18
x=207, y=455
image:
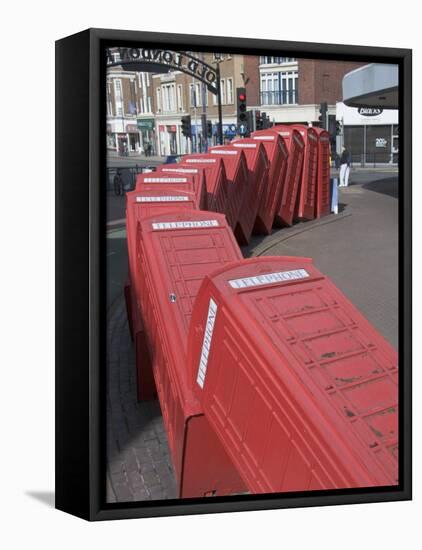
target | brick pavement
x=138, y=461
x=358, y=249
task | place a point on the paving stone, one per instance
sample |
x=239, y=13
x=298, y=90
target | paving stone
x=122, y=492
x=157, y=493
x=150, y=479
x=130, y=461
x=141, y=494
x=135, y=481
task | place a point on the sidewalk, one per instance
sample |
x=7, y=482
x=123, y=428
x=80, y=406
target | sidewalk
x=136, y=156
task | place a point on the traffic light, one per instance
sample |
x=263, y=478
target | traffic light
x=265, y=121
x=258, y=120
x=209, y=128
x=241, y=107
x=323, y=115
x=186, y=126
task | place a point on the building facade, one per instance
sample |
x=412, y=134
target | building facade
x=145, y=110
x=291, y=90
x=130, y=117
x=370, y=134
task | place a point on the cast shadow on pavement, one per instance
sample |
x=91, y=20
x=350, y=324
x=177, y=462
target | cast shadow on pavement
x=387, y=186
x=45, y=497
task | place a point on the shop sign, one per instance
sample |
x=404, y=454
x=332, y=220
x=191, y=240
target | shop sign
x=157, y=59
x=131, y=128
x=145, y=124
x=380, y=142
x=369, y=111
x=171, y=128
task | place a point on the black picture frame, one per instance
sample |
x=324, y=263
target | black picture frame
x=80, y=315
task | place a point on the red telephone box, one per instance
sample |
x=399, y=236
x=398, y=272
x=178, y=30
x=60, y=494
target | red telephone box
x=145, y=202
x=176, y=251
x=198, y=175
x=296, y=146
x=240, y=186
x=299, y=387
x=307, y=192
x=323, y=201
x=277, y=154
x=183, y=182
x=258, y=166
x=216, y=181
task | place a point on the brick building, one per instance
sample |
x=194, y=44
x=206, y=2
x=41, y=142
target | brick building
x=130, y=117
x=291, y=90
x=177, y=94
x=145, y=109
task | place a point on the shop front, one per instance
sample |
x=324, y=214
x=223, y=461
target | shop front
x=146, y=127
x=167, y=139
x=370, y=134
x=133, y=138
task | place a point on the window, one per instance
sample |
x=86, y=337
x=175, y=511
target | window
x=118, y=96
x=223, y=91
x=230, y=91
x=168, y=93
x=158, y=99
x=198, y=95
x=192, y=95
x=180, y=97
x=279, y=88
x=132, y=102
x=109, y=101
x=214, y=99
x=274, y=60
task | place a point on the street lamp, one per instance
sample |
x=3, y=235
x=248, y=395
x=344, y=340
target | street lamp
x=218, y=60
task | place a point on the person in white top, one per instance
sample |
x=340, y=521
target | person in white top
x=344, y=168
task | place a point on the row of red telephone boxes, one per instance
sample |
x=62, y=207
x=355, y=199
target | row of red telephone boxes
x=269, y=379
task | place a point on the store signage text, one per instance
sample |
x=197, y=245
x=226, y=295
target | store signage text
x=369, y=111
x=380, y=142
x=180, y=61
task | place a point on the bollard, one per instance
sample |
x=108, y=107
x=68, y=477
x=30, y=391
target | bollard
x=334, y=195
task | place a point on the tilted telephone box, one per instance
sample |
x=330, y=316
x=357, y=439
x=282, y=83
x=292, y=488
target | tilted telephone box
x=176, y=251
x=296, y=148
x=258, y=167
x=299, y=387
x=216, y=181
x=185, y=182
x=323, y=200
x=277, y=155
x=238, y=189
x=145, y=202
x=198, y=175
x=307, y=191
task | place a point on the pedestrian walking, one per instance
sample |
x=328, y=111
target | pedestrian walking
x=345, y=162
x=118, y=184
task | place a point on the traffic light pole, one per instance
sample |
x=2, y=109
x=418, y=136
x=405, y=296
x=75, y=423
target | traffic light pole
x=220, y=112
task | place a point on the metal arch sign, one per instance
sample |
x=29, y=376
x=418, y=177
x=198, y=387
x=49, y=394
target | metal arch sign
x=160, y=60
